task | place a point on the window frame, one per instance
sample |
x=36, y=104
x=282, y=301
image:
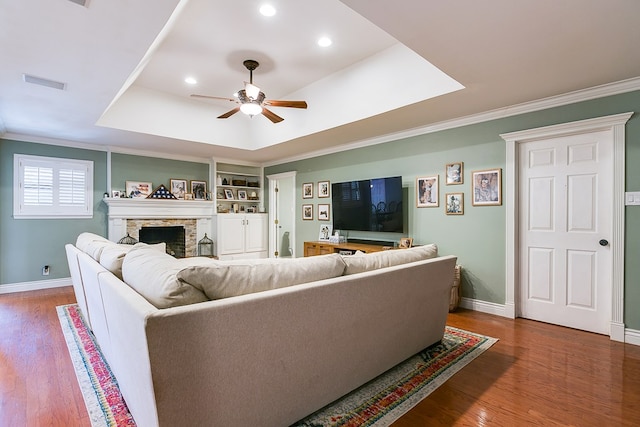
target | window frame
x=56, y=209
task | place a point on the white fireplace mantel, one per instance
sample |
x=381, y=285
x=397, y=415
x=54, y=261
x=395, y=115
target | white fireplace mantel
x=120, y=210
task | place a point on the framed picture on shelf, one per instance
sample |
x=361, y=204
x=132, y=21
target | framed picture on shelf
x=487, y=187
x=406, y=242
x=427, y=195
x=454, y=173
x=307, y=212
x=115, y=194
x=138, y=190
x=454, y=203
x=325, y=232
x=242, y=194
x=323, y=212
x=228, y=194
x=199, y=190
x=307, y=190
x=178, y=187
x=323, y=189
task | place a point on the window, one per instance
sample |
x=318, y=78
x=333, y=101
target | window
x=48, y=187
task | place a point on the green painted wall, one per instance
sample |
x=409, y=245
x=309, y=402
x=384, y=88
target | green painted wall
x=478, y=236
x=125, y=167
x=28, y=244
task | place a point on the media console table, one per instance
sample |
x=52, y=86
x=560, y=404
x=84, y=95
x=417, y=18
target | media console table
x=322, y=248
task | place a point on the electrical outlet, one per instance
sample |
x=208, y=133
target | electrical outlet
x=45, y=270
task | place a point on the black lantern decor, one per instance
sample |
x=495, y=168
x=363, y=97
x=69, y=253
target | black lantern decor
x=205, y=246
x=127, y=240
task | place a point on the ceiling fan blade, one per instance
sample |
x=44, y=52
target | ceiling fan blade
x=229, y=113
x=213, y=97
x=292, y=104
x=271, y=115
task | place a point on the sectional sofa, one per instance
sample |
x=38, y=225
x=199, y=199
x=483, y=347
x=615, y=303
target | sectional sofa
x=198, y=341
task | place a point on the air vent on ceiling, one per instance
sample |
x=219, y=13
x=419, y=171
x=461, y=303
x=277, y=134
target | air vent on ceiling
x=44, y=82
x=80, y=2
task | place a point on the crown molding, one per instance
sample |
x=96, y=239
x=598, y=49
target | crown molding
x=582, y=95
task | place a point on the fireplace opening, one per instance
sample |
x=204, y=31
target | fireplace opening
x=172, y=236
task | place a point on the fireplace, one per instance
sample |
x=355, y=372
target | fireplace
x=172, y=236
x=130, y=216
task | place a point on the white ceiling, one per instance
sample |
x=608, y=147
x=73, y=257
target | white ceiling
x=124, y=65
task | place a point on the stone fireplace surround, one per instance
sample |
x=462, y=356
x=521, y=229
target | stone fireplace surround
x=129, y=215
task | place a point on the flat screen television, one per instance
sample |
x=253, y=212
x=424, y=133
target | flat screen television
x=368, y=205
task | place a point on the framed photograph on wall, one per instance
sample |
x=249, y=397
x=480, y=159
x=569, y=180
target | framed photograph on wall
x=138, y=190
x=454, y=204
x=454, y=173
x=427, y=194
x=307, y=212
x=323, y=212
x=487, y=187
x=325, y=232
x=307, y=190
x=199, y=190
x=178, y=187
x=323, y=189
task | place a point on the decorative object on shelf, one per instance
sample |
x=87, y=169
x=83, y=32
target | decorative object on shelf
x=138, y=190
x=307, y=190
x=251, y=209
x=161, y=193
x=406, y=242
x=242, y=195
x=219, y=180
x=323, y=189
x=225, y=182
x=253, y=196
x=127, y=240
x=178, y=187
x=454, y=173
x=325, y=232
x=205, y=246
x=323, y=212
x=228, y=194
x=188, y=196
x=253, y=184
x=454, y=204
x=235, y=207
x=307, y=212
x=427, y=194
x=238, y=182
x=199, y=189
x=115, y=194
x=487, y=187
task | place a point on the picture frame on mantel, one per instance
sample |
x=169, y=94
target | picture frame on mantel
x=138, y=189
x=178, y=187
x=199, y=189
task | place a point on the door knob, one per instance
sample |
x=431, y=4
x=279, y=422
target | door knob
x=603, y=242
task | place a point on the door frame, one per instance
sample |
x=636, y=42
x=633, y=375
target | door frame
x=272, y=228
x=616, y=125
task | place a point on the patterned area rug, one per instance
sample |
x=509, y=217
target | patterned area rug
x=99, y=387
x=377, y=403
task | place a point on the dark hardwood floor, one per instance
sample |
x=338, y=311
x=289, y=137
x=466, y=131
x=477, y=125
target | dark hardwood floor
x=536, y=374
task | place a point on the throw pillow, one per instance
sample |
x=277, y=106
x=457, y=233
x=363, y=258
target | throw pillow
x=375, y=260
x=223, y=279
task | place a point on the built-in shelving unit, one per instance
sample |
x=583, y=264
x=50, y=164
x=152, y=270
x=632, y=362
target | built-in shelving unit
x=238, y=188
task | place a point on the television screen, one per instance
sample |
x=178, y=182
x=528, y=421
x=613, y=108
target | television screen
x=368, y=205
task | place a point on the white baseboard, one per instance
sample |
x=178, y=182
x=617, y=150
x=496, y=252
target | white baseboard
x=34, y=286
x=631, y=336
x=484, y=307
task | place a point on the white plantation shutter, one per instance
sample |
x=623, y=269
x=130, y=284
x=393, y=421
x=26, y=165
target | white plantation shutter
x=52, y=187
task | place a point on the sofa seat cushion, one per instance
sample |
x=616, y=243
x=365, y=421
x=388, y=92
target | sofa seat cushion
x=152, y=273
x=223, y=279
x=359, y=263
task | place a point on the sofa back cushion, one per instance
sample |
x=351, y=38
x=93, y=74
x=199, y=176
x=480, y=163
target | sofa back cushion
x=152, y=273
x=223, y=279
x=112, y=255
x=359, y=263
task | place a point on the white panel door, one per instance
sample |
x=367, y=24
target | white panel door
x=565, y=191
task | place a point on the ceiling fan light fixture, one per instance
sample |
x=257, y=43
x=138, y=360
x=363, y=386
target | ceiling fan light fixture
x=252, y=91
x=251, y=109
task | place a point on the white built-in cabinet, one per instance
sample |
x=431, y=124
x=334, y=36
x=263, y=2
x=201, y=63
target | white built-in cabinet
x=241, y=236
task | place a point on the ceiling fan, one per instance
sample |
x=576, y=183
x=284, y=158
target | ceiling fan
x=252, y=100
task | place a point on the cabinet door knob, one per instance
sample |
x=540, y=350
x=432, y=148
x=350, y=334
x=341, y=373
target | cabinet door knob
x=603, y=242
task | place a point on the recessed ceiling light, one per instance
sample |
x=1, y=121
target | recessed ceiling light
x=324, y=41
x=190, y=80
x=267, y=10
